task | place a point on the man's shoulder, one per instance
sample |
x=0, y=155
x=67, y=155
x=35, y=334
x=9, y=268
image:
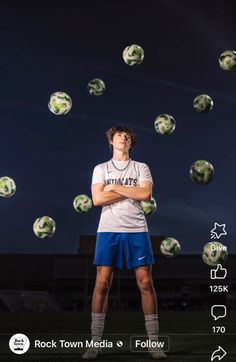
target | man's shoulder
x=102, y=165
x=139, y=164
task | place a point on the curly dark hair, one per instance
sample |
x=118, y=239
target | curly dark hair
x=119, y=128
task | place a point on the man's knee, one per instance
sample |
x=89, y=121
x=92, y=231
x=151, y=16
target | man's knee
x=102, y=286
x=145, y=285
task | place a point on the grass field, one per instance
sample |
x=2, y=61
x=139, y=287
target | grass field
x=190, y=335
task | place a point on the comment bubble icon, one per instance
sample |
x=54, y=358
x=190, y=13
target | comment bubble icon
x=218, y=311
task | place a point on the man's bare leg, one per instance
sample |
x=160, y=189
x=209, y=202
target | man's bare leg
x=101, y=289
x=149, y=305
x=146, y=287
x=99, y=307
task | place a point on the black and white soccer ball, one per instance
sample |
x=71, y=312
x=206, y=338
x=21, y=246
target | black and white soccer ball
x=203, y=103
x=227, y=60
x=7, y=186
x=44, y=227
x=60, y=103
x=96, y=87
x=133, y=54
x=164, y=124
x=170, y=247
x=82, y=203
x=214, y=253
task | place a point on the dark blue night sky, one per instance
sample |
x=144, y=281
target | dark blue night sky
x=60, y=46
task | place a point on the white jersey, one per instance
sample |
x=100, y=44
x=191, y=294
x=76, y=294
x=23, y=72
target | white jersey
x=126, y=215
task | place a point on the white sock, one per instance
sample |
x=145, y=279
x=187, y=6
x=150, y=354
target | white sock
x=152, y=326
x=97, y=326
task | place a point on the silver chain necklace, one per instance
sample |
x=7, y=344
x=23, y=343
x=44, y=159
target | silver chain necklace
x=122, y=168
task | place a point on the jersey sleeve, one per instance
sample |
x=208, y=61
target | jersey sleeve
x=98, y=175
x=144, y=173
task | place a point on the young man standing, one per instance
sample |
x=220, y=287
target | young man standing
x=119, y=186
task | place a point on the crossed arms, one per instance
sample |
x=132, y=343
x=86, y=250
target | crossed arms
x=109, y=194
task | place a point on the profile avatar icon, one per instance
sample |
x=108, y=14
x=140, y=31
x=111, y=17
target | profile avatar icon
x=19, y=343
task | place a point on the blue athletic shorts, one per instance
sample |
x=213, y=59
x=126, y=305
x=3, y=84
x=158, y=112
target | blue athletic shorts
x=112, y=247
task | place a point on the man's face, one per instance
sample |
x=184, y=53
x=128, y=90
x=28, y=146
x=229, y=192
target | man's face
x=121, y=141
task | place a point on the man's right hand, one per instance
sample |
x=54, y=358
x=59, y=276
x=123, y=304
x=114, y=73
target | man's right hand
x=102, y=197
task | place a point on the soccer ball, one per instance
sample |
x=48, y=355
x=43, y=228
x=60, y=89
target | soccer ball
x=133, y=54
x=96, y=87
x=202, y=172
x=214, y=253
x=164, y=124
x=227, y=60
x=82, y=203
x=170, y=247
x=7, y=186
x=60, y=103
x=44, y=227
x=149, y=207
x=203, y=103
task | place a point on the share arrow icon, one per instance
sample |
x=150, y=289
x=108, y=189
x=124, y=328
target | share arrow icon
x=218, y=353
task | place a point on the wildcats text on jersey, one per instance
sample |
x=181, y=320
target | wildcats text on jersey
x=128, y=181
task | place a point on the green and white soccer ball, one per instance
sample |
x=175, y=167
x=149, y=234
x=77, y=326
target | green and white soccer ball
x=170, y=247
x=203, y=103
x=44, y=227
x=82, y=203
x=164, y=124
x=133, y=54
x=149, y=207
x=96, y=87
x=214, y=253
x=227, y=60
x=201, y=172
x=7, y=186
x=60, y=103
